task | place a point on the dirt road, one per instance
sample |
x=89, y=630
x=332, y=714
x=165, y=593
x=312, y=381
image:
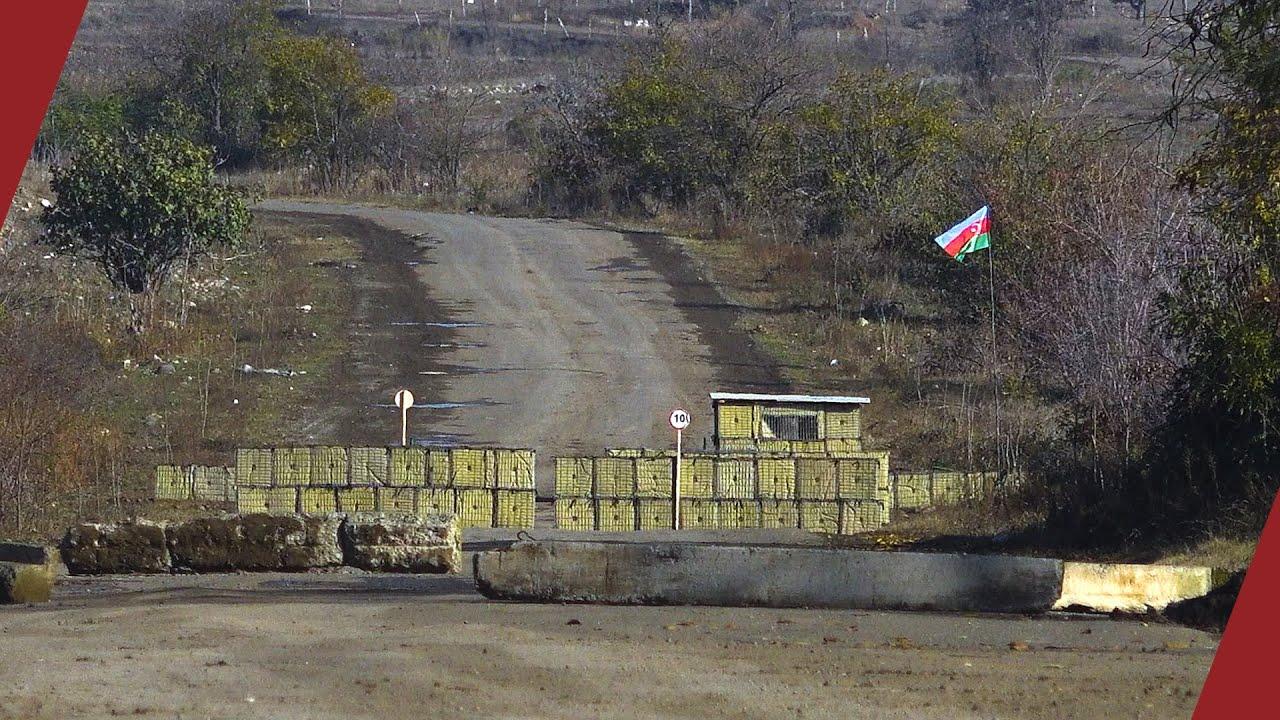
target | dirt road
x=547, y=334
x=363, y=646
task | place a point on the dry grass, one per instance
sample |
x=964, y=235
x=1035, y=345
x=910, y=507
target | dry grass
x=177, y=391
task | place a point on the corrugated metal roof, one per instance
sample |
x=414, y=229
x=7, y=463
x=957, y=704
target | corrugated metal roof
x=761, y=397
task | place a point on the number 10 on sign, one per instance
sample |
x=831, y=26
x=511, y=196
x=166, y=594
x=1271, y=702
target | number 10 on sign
x=679, y=421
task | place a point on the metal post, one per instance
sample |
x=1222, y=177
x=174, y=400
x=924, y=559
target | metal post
x=675, y=486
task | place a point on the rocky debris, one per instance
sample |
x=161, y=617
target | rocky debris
x=1211, y=611
x=248, y=369
x=137, y=546
x=256, y=541
x=25, y=582
x=402, y=543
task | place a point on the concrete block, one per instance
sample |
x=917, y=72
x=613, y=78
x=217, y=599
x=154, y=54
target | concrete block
x=616, y=514
x=1209, y=612
x=402, y=543
x=30, y=554
x=407, y=467
x=107, y=548
x=514, y=508
x=475, y=507
x=329, y=466
x=256, y=542
x=1108, y=587
x=22, y=583
x=575, y=513
x=842, y=425
x=765, y=576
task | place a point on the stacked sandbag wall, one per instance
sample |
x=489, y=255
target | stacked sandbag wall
x=915, y=491
x=195, y=482
x=632, y=490
x=484, y=487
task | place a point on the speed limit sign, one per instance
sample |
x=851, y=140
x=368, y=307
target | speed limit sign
x=404, y=401
x=679, y=421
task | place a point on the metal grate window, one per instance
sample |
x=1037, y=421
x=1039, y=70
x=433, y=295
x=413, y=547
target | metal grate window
x=792, y=426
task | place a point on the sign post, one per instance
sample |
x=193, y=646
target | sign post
x=679, y=421
x=404, y=401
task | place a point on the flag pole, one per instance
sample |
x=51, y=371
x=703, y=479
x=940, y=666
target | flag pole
x=995, y=385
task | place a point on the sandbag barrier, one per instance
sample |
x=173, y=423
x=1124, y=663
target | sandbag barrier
x=913, y=491
x=484, y=487
x=632, y=490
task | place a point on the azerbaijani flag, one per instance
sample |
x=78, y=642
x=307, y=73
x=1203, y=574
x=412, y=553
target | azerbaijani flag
x=972, y=234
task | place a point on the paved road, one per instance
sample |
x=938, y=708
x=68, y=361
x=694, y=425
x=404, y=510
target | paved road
x=349, y=645
x=565, y=337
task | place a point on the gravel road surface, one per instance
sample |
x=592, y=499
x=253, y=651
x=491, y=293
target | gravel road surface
x=548, y=334
x=349, y=645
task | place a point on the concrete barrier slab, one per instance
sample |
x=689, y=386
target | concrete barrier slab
x=28, y=553
x=136, y=546
x=737, y=575
x=402, y=543
x=1110, y=587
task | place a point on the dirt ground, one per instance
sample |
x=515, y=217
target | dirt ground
x=350, y=645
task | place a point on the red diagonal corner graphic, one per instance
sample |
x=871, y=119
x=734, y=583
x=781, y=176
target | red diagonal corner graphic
x=35, y=37
x=1239, y=683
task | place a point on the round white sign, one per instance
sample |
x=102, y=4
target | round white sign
x=679, y=419
x=404, y=399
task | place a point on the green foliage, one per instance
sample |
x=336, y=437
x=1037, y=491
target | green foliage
x=138, y=205
x=319, y=102
x=1221, y=448
x=220, y=74
x=667, y=133
x=78, y=114
x=872, y=147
